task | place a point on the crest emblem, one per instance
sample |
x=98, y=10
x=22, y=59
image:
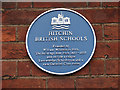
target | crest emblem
x=60, y=22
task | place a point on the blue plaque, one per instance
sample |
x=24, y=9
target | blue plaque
x=60, y=41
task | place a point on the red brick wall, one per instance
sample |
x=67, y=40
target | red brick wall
x=18, y=70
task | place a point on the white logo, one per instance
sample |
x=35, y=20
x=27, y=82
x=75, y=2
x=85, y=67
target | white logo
x=61, y=22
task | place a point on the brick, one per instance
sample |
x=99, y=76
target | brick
x=24, y=68
x=97, y=83
x=0, y=66
x=9, y=68
x=24, y=4
x=111, y=66
x=109, y=49
x=37, y=71
x=0, y=49
x=75, y=4
x=83, y=71
x=100, y=15
x=8, y=34
x=111, y=32
x=47, y=4
x=22, y=31
x=23, y=83
x=60, y=83
x=8, y=5
x=99, y=50
x=119, y=66
x=16, y=17
x=110, y=4
x=97, y=67
x=0, y=35
x=94, y=4
x=98, y=31
x=14, y=51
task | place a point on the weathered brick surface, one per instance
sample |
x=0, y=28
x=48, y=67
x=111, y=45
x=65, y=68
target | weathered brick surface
x=98, y=31
x=100, y=15
x=111, y=32
x=23, y=83
x=8, y=5
x=75, y=4
x=110, y=4
x=60, y=83
x=97, y=83
x=8, y=33
x=26, y=17
x=47, y=4
x=38, y=72
x=17, y=17
x=97, y=67
x=24, y=4
x=9, y=68
x=109, y=49
x=119, y=67
x=112, y=67
x=14, y=51
x=22, y=31
x=24, y=68
x=94, y=4
x=84, y=71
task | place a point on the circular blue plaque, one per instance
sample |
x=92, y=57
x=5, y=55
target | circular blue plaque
x=60, y=41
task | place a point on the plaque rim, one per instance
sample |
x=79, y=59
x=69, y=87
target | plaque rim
x=72, y=70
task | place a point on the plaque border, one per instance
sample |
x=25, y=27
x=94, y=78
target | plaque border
x=70, y=71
